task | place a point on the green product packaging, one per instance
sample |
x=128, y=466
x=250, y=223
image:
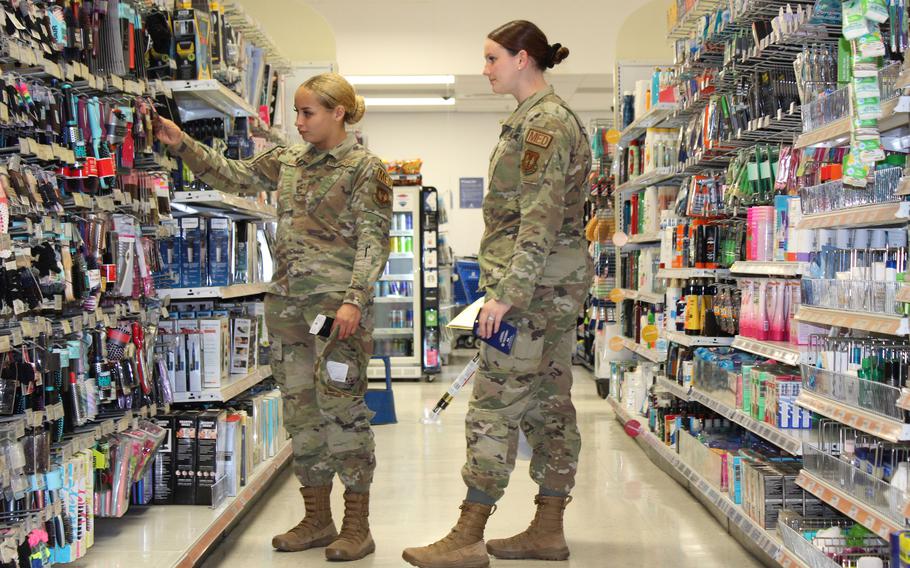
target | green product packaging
x=844, y=61
x=868, y=151
x=855, y=23
x=855, y=172
x=868, y=108
x=875, y=10
x=870, y=44
x=867, y=124
x=865, y=87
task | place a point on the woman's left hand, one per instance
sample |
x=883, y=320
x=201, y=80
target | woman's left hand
x=490, y=317
x=347, y=319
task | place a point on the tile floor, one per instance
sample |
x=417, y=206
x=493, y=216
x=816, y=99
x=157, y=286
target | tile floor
x=626, y=513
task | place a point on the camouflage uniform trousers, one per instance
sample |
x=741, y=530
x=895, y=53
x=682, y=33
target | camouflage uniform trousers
x=530, y=389
x=328, y=420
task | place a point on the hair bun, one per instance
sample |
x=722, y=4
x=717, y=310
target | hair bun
x=360, y=107
x=558, y=53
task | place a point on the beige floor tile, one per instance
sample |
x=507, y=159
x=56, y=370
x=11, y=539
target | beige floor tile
x=626, y=512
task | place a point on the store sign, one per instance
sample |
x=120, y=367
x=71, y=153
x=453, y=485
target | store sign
x=470, y=193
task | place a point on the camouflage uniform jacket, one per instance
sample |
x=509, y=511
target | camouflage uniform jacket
x=534, y=208
x=334, y=212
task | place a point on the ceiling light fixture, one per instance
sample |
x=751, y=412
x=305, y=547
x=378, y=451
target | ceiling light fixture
x=401, y=79
x=408, y=101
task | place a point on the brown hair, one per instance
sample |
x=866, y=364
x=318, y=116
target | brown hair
x=520, y=35
x=333, y=90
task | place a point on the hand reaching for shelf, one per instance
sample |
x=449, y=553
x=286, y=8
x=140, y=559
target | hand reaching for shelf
x=166, y=130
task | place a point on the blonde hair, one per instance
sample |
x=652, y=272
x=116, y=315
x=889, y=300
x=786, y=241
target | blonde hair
x=333, y=90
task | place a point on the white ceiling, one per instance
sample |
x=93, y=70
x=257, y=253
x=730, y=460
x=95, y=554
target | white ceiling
x=415, y=37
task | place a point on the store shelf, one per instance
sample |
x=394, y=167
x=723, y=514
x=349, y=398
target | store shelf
x=402, y=233
x=880, y=426
x=759, y=268
x=398, y=277
x=681, y=338
x=866, y=216
x=652, y=355
x=401, y=255
x=644, y=238
x=234, y=386
x=673, y=387
x=837, y=133
x=651, y=119
x=394, y=300
x=749, y=532
x=904, y=402
x=393, y=332
x=777, y=350
x=873, y=323
x=791, y=441
x=647, y=297
x=211, y=93
x=685, y=273
x=689, y=21
x=222, y=292
x=221, y=203
x=848, y=505
x=655, y=177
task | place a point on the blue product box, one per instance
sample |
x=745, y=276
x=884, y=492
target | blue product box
x=219, y=246
x=192, y=230
x=171, y=259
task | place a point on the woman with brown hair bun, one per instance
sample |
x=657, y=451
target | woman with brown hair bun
x=536, y=272
x=334, y=214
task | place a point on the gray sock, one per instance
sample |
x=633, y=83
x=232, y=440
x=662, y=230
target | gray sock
x=544, y=492
x=478, y=496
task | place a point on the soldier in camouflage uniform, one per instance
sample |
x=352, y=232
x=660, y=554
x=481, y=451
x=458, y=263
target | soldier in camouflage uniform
x=535, y=271
x=334, y=215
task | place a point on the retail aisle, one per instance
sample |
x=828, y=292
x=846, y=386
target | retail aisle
x=626, y=513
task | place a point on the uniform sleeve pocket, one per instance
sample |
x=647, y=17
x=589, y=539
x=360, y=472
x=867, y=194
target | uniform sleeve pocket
x=525, y=357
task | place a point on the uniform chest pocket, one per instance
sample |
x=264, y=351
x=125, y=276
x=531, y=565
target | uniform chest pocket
x=324, y=184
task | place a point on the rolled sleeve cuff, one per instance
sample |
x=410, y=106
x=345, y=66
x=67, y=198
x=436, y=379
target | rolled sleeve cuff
x=357, y=298
x=513, y=295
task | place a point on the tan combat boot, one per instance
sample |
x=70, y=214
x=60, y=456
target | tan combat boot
x=543, y=540
x=462, y=548
x=316, y=529
x=355, y=540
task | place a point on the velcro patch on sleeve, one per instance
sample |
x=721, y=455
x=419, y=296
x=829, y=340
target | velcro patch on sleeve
x=529, y=162
x=383, y=177
x=382, y=195
x=539, y=138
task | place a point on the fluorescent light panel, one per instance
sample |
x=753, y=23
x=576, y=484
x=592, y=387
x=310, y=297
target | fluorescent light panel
x=401, y=79
x=408, y=101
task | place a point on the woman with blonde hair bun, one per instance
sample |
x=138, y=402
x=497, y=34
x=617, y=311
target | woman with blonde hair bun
x=334, y=215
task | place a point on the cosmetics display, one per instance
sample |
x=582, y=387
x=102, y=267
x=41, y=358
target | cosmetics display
x=771, y=367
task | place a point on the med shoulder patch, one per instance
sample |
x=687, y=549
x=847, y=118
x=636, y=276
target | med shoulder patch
x=383, y=177
x=539, y=138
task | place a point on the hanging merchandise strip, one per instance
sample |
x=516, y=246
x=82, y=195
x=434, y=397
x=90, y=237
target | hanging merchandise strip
x=84, y=194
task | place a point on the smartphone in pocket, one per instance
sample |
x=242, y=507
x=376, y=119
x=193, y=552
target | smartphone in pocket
x=322, y=326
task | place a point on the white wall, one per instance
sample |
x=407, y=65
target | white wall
x=452, y=145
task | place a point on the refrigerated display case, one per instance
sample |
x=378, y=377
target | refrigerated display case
x=398, y=294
